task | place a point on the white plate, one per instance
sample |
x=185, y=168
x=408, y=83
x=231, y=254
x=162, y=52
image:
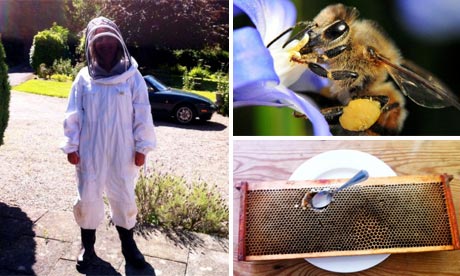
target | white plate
x=343, y=164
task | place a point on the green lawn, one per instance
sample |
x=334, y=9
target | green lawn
x=48, y=88
x=62, y=89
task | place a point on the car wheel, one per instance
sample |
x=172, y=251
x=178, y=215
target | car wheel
x=184, y=114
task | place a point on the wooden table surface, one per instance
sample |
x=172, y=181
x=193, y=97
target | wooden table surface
x=256, y=161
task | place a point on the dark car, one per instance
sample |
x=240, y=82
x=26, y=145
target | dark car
x=181, y=105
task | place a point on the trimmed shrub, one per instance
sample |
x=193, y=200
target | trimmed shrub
x=48, y=46
x=4, y=93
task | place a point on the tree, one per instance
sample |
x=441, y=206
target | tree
x=4, y=93
x=80, y=12
x=176, y=24
x=153, y=29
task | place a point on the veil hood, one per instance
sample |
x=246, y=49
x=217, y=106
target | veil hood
x=122, y=61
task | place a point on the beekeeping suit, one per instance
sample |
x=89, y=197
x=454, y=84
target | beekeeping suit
x=108, y=120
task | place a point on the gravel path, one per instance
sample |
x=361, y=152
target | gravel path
x=34, y=171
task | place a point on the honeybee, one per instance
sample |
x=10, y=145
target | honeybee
x=357, y=56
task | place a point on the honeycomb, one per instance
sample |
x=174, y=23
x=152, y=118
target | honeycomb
x=375, y=217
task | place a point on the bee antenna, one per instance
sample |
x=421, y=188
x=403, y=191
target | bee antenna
x=281, y=35
x=307, y=25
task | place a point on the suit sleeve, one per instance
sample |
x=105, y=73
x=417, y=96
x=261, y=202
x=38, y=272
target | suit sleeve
x=72, y=121
x=143, y=128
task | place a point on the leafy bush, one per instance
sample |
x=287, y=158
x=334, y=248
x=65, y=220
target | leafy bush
x=48, y=46
x=222, y=90
x=168, y=200
x=215, y=58
x=62, y=67
x=44, y=72
x=188, y=83
x=4, y=93
x=199, y=71
x=80, y=49
x=223, y=108
x=171, y=69
x=62, y=70
x=77, y=69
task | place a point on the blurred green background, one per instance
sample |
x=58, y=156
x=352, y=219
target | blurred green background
x=439, y=57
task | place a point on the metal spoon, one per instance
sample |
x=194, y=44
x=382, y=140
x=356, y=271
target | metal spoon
x=324, y=198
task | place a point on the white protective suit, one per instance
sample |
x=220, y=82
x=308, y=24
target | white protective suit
x=108, y=119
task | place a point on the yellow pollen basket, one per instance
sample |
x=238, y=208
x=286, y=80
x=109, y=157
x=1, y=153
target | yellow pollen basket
x=360, y=114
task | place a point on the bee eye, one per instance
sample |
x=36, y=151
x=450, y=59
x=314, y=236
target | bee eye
x=336, y=30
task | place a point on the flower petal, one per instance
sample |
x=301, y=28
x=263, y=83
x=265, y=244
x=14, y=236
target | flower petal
x=280, y=96
x=257, y=102
x=305, y=106
x=309, y=81
x=252, y=62
x=287, y=70
x=271, y=17
x=236, y=11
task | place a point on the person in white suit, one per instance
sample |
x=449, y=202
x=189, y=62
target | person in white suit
x=109, y=130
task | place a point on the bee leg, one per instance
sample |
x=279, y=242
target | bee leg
x=331, y=114
x=333, y=75
x=331, y=53
x=343, y=75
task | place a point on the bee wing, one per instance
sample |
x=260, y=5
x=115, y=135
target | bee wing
x=420, y=86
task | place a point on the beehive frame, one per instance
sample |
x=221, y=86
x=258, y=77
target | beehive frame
x=382, y=215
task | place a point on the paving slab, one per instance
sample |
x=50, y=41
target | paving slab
x=210, y=242
x=160, y=245
x=156, y=266
x=33, y=213
x=66, y=267
x=22, y=213
x=18, y=254
x=9, y=272
x=12, y=229
x=207, y=262
x=107, y=247
x=42, y=242
x=58, y=225
x=32, y=255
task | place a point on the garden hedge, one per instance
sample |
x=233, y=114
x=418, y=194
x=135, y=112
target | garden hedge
x=4, y=93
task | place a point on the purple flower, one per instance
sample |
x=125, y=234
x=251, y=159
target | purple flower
x=262, y=76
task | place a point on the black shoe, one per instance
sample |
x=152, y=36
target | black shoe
x=87, y=253
x=129, y=248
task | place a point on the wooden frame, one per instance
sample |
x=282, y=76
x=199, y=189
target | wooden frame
x=245, y=187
